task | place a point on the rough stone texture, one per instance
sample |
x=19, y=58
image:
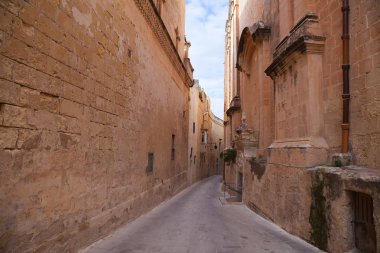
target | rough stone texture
x=338, y=186
x=365, y=83
x=86, y=92
x=280, y=136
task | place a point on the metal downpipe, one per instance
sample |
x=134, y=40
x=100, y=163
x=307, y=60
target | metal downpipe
x=346, y=76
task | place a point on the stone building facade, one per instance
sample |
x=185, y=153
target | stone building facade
x=94, y=112
x=216, y=144
x=302, y=88
x=206, y=133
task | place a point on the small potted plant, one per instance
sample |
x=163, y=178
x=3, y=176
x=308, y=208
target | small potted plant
x=230, y=155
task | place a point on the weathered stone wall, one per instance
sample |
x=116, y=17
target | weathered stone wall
x=365, y=83
x=332, y=214
x=279, y=193
x=249, y=11
x=364, y=68
x=195, y=137
x=331, y=24
x=86, y=92
x=307, y=96
x=364, y=78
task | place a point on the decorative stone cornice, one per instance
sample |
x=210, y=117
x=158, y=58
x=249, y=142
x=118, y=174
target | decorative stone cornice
x=152, y=17
x=259, y=30
x=234, y=106
x=304, y=37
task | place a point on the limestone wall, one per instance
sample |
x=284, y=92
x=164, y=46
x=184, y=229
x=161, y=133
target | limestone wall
x=276, y=156
x=217, y=135
x=195, y=134
x=364, y=68
x=365, y=83
x=86, y=92
x=173, y=15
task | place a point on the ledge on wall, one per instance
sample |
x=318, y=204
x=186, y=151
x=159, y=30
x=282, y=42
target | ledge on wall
x=304, y=37
x=234, y=106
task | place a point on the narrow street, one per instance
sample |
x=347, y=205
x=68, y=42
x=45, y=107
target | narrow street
x=196, y=221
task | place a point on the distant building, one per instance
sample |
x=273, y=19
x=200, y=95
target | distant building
x=302, y=88
x=205, y=137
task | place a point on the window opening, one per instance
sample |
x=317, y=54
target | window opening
x=173, y=147
x=364, y=227
x=204, y=137
x=149, y=168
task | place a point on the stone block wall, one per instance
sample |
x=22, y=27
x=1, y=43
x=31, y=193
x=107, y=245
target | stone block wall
x=279, y=180
x=364, y=78
x=86, y=92
x=330, y=15
x=365, y=83
x=279, y=193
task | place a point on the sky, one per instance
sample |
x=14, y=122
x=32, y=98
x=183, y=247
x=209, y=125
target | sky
x=205, y=29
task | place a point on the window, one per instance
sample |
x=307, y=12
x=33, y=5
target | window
x=204, y=137
x=191, y=152
x=149, y=168
x=193, y=127
x=173, y=147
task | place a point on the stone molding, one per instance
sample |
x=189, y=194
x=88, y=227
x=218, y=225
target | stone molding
x=152, y=17
x=303, y=37
x=256, y=32
x=234, y=106
x=306, y=142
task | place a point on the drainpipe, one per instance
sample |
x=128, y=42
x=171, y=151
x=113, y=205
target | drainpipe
x=346, y=76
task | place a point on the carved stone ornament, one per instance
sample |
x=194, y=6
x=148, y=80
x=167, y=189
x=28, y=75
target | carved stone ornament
x=245, y=136
x=304, y=37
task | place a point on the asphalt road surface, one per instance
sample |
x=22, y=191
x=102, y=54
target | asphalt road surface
x=197, y=221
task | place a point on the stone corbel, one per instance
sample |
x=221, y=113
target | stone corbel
x=234, y=106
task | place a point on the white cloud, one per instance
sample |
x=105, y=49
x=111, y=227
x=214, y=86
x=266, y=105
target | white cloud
x=205, y=29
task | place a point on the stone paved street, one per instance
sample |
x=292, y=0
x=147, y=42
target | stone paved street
x=196, y=221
